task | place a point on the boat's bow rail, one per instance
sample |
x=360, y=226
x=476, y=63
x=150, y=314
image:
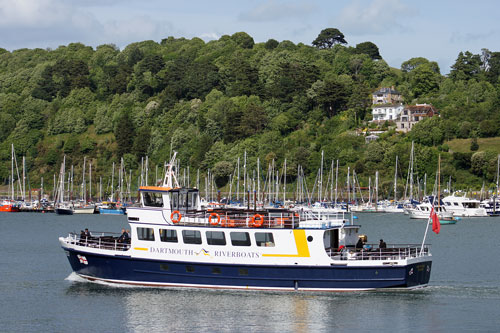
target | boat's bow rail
x=101, y=240
x=392, y=252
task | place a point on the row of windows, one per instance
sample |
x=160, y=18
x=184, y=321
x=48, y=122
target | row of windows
x=237, y=238
x=215, y=270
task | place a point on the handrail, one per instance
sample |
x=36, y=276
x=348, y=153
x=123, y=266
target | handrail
x=395, y=252
x=106, y=241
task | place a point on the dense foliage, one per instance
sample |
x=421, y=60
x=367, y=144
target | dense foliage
x=212, y=101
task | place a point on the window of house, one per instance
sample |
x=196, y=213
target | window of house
x=240, y=239
x=264, y=239
x=215, y=238
x=168, y=235
x=145, y=234
x=191, y=236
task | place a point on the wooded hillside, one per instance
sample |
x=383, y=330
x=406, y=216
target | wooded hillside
x=212, y=101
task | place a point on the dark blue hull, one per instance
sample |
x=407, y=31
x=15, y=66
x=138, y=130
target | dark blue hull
x=123, y=269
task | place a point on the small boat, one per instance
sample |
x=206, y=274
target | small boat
x=175, y=243
x=111, y=208
x=64, y=209
x=9, y=206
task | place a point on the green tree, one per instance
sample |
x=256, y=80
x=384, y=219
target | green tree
x=466, y=67
x=370, y=49
x=124, y=134
x=329, y=37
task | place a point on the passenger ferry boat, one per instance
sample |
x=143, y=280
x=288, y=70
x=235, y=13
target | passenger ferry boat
x=176, y=244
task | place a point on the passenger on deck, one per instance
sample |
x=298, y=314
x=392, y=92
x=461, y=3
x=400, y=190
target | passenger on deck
x=87, y=233
x=124, y=237
x=382, y=244
x=359, y=244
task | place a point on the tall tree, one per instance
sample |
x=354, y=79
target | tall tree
x=329, y=37
x=368, y=48
x=124, y=134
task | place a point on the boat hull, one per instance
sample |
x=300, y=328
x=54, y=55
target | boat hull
x=123, y=269
x=108, y=211
x=64, y=211
x=9, y=208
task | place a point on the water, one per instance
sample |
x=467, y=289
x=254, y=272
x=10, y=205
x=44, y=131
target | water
x=39, y=293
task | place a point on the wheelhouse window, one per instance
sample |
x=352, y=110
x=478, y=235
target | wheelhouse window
x=240, y=239
x=191, y=236
x=216, y=238
x=146, y=234
x=168, y=235
x=264, y=239
x=174, y=200
x=152, y=199
x=184, y=199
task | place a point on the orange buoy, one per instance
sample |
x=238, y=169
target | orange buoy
x=257, y=220
x=178, y=217
x=214, y=222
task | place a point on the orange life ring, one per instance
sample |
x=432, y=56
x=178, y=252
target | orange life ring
x=179, y=216
x=214, y=222
x=257, y=220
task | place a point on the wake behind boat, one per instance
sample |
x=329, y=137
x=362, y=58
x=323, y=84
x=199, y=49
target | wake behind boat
x=175, y=243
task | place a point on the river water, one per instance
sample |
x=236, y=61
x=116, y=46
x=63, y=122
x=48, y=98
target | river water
x=40, y=294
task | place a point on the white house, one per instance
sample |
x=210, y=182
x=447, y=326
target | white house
x=386, y=112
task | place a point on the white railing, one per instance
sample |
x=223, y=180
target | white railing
x=394, y=252
x=100, y=240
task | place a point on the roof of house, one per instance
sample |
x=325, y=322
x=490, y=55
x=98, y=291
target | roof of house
x=386, y=90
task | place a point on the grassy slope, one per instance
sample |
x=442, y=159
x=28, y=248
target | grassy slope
x=463, y=145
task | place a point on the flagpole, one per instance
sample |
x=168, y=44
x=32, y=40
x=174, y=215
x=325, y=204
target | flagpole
x=432, y=209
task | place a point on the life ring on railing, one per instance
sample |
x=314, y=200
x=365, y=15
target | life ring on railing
x=215, y=222
x=178, y=218
x=257, y=220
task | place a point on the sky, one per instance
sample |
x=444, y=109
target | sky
x=402, y=29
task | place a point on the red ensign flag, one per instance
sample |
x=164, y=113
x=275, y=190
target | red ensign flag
x=436, y=226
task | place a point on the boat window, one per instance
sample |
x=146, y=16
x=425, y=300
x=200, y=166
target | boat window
x=153, y=199
x=145, y=234
x=174, y=204
x=240, y=239
x=164, y=267
x=243, y=271
x=193, y=197
x=183, y=200
x=216, y=270
x=191, y=236
x=264, y=239
x=190, y=269
x=168, y=235
x=455, y=203
x=216, y=238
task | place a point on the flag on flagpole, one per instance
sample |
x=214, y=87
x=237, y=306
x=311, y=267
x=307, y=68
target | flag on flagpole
x=436, y=225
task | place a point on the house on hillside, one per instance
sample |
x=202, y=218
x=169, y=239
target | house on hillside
x=387, y=96
x=412, y=114
x=391, y=112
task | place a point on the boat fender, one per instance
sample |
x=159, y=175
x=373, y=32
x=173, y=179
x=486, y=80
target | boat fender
x=257, y=220
x=214, y=222
x=176, y=216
